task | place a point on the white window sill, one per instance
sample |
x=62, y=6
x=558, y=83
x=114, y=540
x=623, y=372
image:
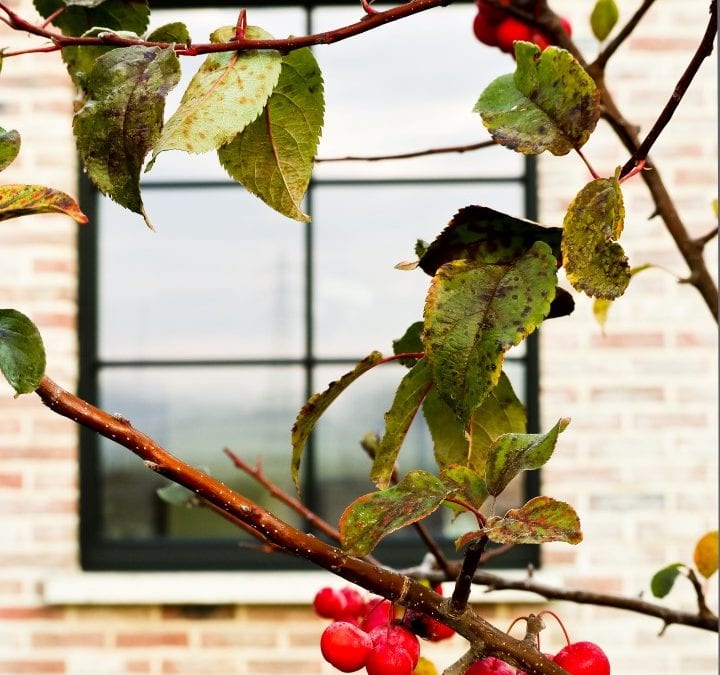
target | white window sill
x=224, y=588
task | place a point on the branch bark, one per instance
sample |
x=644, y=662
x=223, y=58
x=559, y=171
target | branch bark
x=382, y=581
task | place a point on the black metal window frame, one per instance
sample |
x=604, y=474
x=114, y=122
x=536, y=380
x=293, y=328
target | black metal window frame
x=101, y=553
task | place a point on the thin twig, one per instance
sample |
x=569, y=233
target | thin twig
x=256, y=473
x=604, y=56
x=706, y=238
x=668, y=615
x=704, y=50
x=409, y=155
x=703, y=609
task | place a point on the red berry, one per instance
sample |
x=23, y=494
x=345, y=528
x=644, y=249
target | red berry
x=490, y=666
x=379, y=614
x=511, y=30
x=329, y=603
x=427, y=627
x=355, y=603
x=384, y=659
x=583, y=658
x=566, y=25
x=485, y=30
x=397, y=637
x=345, y=646
x=492, y=14
x=540, y=40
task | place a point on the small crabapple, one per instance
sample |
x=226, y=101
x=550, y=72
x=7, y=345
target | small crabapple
x=329, y=603
x=386, y=659
x=379, y=614
x=345, y=646
x=355, y=603
x=566, y=26
x=490, y=666
x=397, y=637
x=511, y=30
x=583, y=658
x=485, y=30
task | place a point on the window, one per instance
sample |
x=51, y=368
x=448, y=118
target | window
x=213, y=331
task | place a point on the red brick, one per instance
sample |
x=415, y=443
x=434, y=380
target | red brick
x=670, y=420
x=284, y=667
x=21, y=613
x=65, y=639
x=37, y=453
x=626, y=394
x=662, y=44
x=62, y=265
x=35, y=667
x=625, y=340
x=138, y=666
x=238, y=638
x=201, y=666
x=11, y=480
x=152, y=640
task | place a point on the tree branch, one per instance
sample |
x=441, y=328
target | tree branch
x=368, y=22
x=704, y=50
x=463, y=585
x=382, y=581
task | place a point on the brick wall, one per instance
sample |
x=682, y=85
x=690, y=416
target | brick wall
x=639, y=460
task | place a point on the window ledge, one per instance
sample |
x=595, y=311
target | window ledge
x=224, y=588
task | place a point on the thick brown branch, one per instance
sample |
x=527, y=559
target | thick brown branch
x=379, y=580
x=283, y=45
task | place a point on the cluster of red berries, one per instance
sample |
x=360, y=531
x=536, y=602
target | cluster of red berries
x=578, y=658
x=365, y=633
x=495, y=28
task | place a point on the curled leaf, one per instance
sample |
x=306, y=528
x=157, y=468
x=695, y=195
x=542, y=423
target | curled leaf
x=549, y=103
x=373, y=516
x=81, y=15
x=594, y=262
x=122, y=118
x=26, y=200
x=540, y=520
x=317, y=405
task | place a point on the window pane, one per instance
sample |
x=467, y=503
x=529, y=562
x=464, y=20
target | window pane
x=195, y=413
x=422, y=75
x=362, y=303
x=222, y=277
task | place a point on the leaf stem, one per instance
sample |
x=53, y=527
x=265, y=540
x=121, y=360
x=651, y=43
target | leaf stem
x=592, y=171
x=395, y=357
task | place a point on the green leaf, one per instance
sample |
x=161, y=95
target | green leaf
x=122, y=118
x=486, y=235
x=705, y=555
x=409, y=343
x=26, y=200
x=663, y=580
x=227, y=93
x=473, y=488
x=541, y=520
x=603, y=18
x=82, y=15
x=450, y=444
x=22, y=355
x=512, y=453
x=273, y=156
x=80, y=60
x=172, y=33
x=549, y=103
x=410, y=393
x=373, y=516
x=601, y=306
x=9, y=147
x=318, y=404
x=594, y=262
x=475, y=312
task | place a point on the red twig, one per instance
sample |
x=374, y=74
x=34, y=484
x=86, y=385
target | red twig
x=284, y=45
x=409, y=155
